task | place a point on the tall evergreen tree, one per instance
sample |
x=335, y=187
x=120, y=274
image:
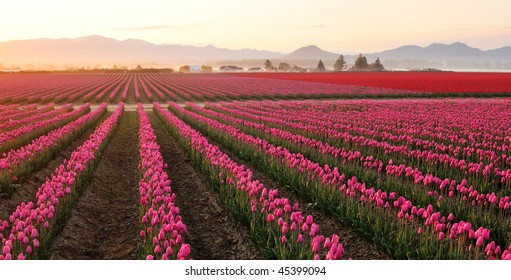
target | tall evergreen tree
x=377, y=66
x=339, y=64
x=321, y=66
x=268, y=65
x=360, y=63
x=284, y=67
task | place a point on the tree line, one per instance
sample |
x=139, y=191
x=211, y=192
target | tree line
x=340, y=65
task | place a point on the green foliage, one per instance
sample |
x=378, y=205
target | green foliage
x=184, y=69
x=339, y=64
x=284, y=67
x=268, y=65
x=206, y=68
x=321, y=66
x=360, y=63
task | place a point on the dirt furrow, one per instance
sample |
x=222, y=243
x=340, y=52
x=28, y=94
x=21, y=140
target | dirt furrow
x=355, y=245
x=213, y=232
x=105, y=222
x=27, y=190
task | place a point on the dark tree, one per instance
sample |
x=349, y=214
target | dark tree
x=284, y=67
x=268, y=65
x=339, y=64
x=321, y=66
x=206, y=69
x=361, y=63
x=296, y=68
x=377, y=66
x=184, y=69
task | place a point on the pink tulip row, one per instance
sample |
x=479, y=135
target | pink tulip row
x=178, y=89
x=125, y=82
x=314, y=127
x=8, y=108
x=144, y=83
x=124, y=94
x=117, y=83
x=20, y=162
x=466, y=193
x=137, y=92
x=31, y=227
x=98, y=91
x=464, y=137
x=147, y=93
x=291, y=230
x=96, y=88
x=404, y=133
x=19, y=108
x=241, y=87
x=162, y=228
x=474, y=132
x=33, y=129
x=156, y=85
x=42, y=88
x=83, y=92
x=24, y=112
x=34, y=117
x=430, y=218
x=61, y=93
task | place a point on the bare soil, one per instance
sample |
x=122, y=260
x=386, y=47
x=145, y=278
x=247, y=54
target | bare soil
x=27, y=190
x=105, y=222
x=213, y=233
x=356, y=246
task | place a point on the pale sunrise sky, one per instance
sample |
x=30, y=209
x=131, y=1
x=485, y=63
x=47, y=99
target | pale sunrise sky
x=277, y=25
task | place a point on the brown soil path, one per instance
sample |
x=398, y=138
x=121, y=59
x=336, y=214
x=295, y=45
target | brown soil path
x=105, y=222
x=27, y=190
x=356, y=246
x=213, y=232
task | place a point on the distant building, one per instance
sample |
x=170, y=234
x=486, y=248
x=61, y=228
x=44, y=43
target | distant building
x=255, y=69
x=195, y=68
x=231, y=68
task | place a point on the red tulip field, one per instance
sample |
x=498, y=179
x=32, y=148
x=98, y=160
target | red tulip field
x=432, y=83
x=333, y=166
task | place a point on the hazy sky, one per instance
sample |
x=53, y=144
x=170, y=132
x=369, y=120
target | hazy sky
x=278, y=25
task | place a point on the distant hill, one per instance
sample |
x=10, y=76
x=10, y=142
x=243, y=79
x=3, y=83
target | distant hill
x=310, y=52
x=97, y=49
x=442, y=56
x=446, y=56
x=101, y=51
x=455, y=51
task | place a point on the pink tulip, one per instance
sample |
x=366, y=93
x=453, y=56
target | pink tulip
x=270, y=218
x=309, y=220
x=184, y=251
x=314, y=230
x=299, y=238
x=480, y=241
x=441, y=235
x=157, y=250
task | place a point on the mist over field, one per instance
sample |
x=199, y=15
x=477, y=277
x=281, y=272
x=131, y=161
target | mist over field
x=102, y=52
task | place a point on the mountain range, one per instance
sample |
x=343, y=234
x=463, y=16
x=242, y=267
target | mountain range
x=97, y=50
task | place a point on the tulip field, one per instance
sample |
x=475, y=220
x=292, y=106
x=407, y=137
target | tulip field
x=264, y=166
x=433, y=83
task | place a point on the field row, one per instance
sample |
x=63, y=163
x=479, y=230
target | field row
x=147, y=88
x=277, y=226
x=419, y=180
x=440, y=83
